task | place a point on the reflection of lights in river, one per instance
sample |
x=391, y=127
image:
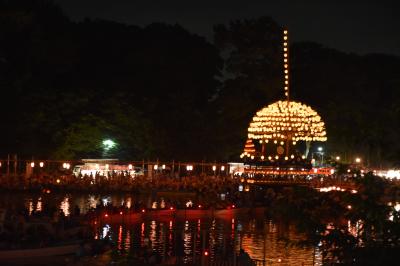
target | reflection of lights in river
x=30, y=206
x=119, y=242
x=187, y=241
x=39, y=205
x=162, y=204
x=128, y=240
x=153, y=228
x=354, y=229
x=106, y=201
x=128, y=202
x=92, y=202
x=65, y=206
x=106, y=229
x=142, y=235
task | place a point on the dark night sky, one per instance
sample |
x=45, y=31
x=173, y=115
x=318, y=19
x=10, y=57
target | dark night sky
x=367, y=26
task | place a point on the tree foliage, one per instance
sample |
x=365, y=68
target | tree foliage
x=164, y=92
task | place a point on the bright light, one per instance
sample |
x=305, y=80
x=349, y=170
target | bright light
x=397, y=207
x=155, y=167
x=32, y=164
x=189, y=167
x=320, y=149
x=337, y=158
x=163, y=166
x=58, y=181
x=41, y=164
x=109, y=144
x=275, y=120
x=222, y=168
x=214, y=167
x=130, y=167
x=358, y=160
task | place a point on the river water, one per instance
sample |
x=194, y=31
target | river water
x=260, y=237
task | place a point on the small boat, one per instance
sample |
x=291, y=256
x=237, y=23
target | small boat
x=186, y=214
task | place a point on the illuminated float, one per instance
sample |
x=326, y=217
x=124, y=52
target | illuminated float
x=278, y=128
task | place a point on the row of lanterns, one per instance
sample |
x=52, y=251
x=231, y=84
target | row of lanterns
x=262, y=157
x=188, y=167
x=41, y=165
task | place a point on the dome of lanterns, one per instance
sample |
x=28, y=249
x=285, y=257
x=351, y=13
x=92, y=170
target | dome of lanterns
x=285, y=120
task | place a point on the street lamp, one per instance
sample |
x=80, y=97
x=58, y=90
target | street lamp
x=337, y=158
x=358, y=160
x=108, y=144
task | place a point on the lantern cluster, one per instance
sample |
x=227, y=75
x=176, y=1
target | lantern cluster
x=285, y=120
x=249, y=149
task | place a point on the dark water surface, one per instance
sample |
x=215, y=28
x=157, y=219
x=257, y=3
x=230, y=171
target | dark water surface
x=261, y=237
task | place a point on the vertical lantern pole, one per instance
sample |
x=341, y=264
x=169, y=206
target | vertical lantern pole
x=286, y=85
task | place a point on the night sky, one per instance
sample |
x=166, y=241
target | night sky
x=351, y=26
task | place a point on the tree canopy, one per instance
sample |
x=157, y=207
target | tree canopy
x=162, y=92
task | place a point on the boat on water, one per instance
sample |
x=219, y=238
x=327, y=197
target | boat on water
x=128, y=216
